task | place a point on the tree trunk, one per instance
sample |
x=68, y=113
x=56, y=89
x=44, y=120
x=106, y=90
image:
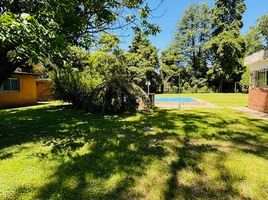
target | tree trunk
x=220, y=85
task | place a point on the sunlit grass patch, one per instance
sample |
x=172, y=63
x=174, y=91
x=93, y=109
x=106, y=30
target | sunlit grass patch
x=220, y=99
x=55, y=152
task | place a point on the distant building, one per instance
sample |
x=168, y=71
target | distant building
x=258, y=90
x=23, y=89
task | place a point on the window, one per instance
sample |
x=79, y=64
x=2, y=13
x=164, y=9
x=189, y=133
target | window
x=261, y=82
x=11, y=84
x=259, y=78
x=267, y=78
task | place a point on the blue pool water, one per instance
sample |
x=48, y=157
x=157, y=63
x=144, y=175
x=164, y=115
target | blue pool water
x=175, y=99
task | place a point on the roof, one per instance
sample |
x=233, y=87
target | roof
x=256, y=57
x=43, y=79
x=25, y=73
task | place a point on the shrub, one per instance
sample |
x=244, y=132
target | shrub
x=245, y=81
x=174, y=89
x=117, y=96
x=74, y=87
x=113, y=96
x=99, y=83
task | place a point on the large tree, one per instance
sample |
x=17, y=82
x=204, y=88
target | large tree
x=34, y=29
x=143, y=61
x=170, y=67
x=193, y=31
x=262, y=25
x=227, y=45
x=254, y=41
x=257, y=37
x=99, y=81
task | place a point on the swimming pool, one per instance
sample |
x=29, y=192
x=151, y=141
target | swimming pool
x=175, y=100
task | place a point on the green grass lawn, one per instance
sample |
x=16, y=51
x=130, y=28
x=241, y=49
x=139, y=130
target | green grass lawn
x=220, y=99
x=55, y=152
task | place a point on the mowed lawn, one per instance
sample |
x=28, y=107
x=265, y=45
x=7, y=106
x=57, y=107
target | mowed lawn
x=220, y=99
x=54, y=152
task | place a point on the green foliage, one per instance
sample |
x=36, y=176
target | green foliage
x=257, y=37
x=117, y=93
x=254, y=41
x=79, y=19
x=227, y=16
x=108, y=43
x=169, y=67
x=199, y=85
x=75, y=82
x=194, y=30
x=72, y=86
x=262, y=25
x=43, y=31
x=245, y=80
x=174, y=89
x=117, y=96
x=186, y=55
x=59, y=23
x=227, y=46
x=23, y=39
x=98, y=82
x=23, y=30
x=142, y=61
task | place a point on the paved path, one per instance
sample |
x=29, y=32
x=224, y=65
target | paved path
x=199, y=104
x=257, y=114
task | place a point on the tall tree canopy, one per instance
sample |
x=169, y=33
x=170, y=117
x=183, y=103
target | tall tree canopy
x=33, y=29
x=192, y=33
x=262, y=25
x=254, y=41
x=143, y=60
x=257, y=37
x=227, y=45
x=170, y=63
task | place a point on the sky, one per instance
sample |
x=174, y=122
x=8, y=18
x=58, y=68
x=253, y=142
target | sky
x=170, y=11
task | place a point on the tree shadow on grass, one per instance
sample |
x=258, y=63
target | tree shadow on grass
x=111, y=146
x=191, y=155
x=21, y=126
x=117, y=147
x=101, y=156
x=197, y=144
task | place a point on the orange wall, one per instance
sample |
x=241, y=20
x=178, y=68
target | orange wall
x=26, y=95
x=43, y=89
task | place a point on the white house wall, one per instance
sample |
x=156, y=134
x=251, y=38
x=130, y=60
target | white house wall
x=260, y=65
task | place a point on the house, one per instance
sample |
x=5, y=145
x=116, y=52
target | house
x=23, y=89
x=258, y=90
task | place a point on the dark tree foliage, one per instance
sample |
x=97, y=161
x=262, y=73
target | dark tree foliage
x=170, y=68
x=227, y=46
x=143, y=61
x=117, y=96
x=194, y=30
x=34, y=29
x=99, y=82
x=186, y=52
